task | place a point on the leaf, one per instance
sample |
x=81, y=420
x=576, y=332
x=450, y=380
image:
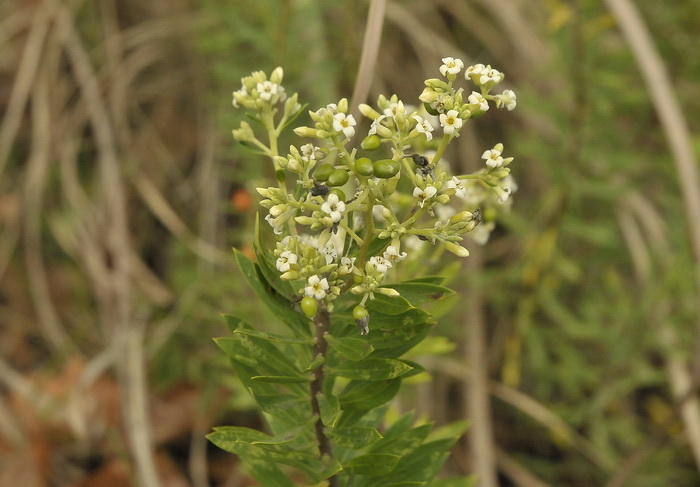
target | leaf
x=272, y=337
x=280, y=306
x=437, y=280
x=287, y=437
x=402, y=443
x=267, y=473
x=349, y=347
x=260, y=354
x=412, y=316
x=330, y=408
x=389, y=305
x=368, y=394
x=418, y=293
x=373, y=464
x=354, y=437
x=281, y=379
x=395, y=342
x=370, y=369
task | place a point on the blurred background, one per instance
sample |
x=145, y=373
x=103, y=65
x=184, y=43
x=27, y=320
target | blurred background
x=574, y=345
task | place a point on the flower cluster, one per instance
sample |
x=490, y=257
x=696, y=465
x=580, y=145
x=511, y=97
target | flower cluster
x=342, y=225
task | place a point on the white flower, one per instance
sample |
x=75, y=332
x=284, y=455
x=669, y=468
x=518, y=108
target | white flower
x=286, y=260
x=308, y=152
x=450, y=121
x=275, y=224
x=493, y=158
x=423, y=127
x=456, y=184
x=346, y=266
x=474, y=71
x=451, y=65
x=505, y=188
x=266, y=89
x=344, y=123
x=424, y=194
x=492, y=75
x=392, y=254
x=380, y=264
x=317, y=287
x=394, y=108
x=476, y=99
x=507, y=99
x=333, y=207
x=328, y=252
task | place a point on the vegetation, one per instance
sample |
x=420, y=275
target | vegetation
x=572, y=350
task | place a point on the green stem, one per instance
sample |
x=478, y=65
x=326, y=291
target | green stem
x=370, y=232
x=354, y=236
x=441, y=149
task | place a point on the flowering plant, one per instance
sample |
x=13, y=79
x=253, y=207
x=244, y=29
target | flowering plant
x=344, y=221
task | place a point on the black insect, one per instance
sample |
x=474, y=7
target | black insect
x=319, y=190
x=423, y=165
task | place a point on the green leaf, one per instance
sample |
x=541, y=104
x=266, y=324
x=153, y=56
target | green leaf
x=373, y=464
x=287, y=437
x=402, y=443
x=354, y=437
x=267, y=473
x=395, y=342
x=260, y=354
x=437, y=280
x=413, y=316
x=281, y=379
x=278, y=304
x=389, y=305
x=330, y=408
x=453, y=431
x=368, y=394
x=272, y=337
x=349, y=347
x=418, y=293
x=370, y=369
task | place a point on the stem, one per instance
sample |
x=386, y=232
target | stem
x=441, y=149
x=322, y=322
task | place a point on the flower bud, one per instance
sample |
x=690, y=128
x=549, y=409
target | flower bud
x=307, y=132
x=456, y=249
x=371, y=142
x=343, y=105
x=368, y=111
x=277, y=75
x=387, y=291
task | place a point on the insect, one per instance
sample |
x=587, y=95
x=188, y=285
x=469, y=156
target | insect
x=319, y=189
x=423, y=165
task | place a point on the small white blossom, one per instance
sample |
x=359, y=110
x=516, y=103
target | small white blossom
x=424, y=127
x=267, y=89
x=507, y=99
x=308, y=152
x=240, y=94
x=286, y=260
x=344, y=123
x=492, y=75
x=333, y=207
x=375, y=125
x=451, y=66
x=275, y=224
x=380, y=264
x=424, y=194
x=394, y=109
x=317, y=287
x=474, y=71
x=392, y=254
x=476, y=99
x=493, y=158
x=450, y=121
x=328, y=252
x=346, y=266
x=456, y=184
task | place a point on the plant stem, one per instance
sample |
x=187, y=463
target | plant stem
x=322, y=323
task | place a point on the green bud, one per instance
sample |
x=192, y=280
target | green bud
x=359, y=312
x=339, y=192
x=369, y=112
x=277, y=75
x=338, y=177
x=443, y=199
x=364, y=166
x=386, y=168
x=309, y=306
x=371, y=142
x=343, y=105
x=456, y=249
x=323, y=171
x=387, y=291
x=307, y=132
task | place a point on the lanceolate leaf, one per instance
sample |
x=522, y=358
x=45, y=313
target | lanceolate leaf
x=354, y=437
x=271, y=337
x=278, y=304
x=371, y=369
x=389, y=305
x=368, y=394
x=375, y=464
x=418, y=293
x=349, y=347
